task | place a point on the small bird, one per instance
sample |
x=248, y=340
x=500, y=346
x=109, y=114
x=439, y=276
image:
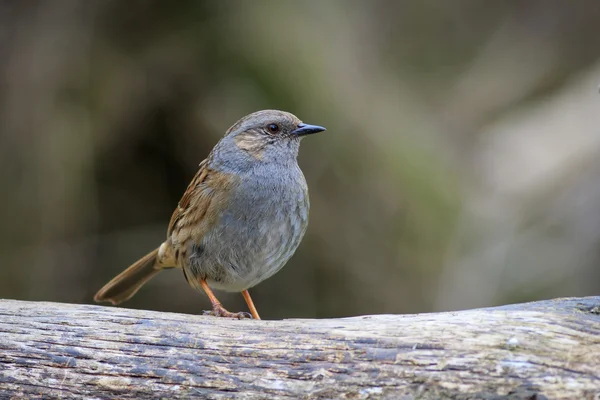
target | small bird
x=241, y=218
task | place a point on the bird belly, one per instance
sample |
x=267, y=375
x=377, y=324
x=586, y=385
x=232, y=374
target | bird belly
x=250, y=245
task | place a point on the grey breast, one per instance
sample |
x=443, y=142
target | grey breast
x=257, y=233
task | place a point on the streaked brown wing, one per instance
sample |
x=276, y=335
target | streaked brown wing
x=185, y=201
x=200, y=206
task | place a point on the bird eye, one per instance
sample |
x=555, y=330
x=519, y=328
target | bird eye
x=273, y=128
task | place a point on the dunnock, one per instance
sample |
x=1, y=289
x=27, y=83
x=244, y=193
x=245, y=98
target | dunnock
x=240, y=219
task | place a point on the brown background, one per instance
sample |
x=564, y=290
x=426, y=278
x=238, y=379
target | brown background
x=460, y=167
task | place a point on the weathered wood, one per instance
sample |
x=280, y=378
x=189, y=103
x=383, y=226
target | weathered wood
x=525, y=351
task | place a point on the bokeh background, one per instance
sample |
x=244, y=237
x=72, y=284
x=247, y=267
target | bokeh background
x=461, y=166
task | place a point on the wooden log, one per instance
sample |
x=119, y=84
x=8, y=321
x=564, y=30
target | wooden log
x=548, y=349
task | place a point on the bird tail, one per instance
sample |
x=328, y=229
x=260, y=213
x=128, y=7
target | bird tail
x=123, y=286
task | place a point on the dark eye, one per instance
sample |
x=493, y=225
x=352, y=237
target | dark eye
x=273, y=128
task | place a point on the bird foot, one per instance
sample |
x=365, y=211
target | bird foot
x=220, y=311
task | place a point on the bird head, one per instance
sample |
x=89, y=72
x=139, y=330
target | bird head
x=269, y=135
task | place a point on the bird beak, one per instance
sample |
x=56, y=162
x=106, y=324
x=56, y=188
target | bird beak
x=306, y=129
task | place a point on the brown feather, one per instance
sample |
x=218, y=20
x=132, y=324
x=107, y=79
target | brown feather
x=186, y=199
x=199, y=207
x=251, y=143
x=128, y=282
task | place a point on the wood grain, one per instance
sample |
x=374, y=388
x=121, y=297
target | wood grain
x=548, y=349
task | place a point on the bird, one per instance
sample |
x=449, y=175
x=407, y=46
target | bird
x=241, y=218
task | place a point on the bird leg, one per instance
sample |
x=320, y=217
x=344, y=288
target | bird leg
x=217, y=308
x=251, y=307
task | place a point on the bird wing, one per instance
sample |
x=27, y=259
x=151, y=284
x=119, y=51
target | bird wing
x=183, y=206
x=200, y=206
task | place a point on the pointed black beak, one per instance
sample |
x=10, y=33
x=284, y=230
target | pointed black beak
x=306, y=129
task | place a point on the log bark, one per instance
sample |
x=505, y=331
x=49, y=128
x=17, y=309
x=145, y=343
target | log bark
x=548, y=349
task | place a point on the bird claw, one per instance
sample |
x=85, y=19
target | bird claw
x=220, y=311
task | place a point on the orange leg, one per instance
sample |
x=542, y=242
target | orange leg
x=217, y=308
x=248, y=299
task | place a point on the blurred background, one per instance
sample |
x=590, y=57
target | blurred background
x=460, y=167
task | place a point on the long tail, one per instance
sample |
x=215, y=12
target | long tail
x=128, y=282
